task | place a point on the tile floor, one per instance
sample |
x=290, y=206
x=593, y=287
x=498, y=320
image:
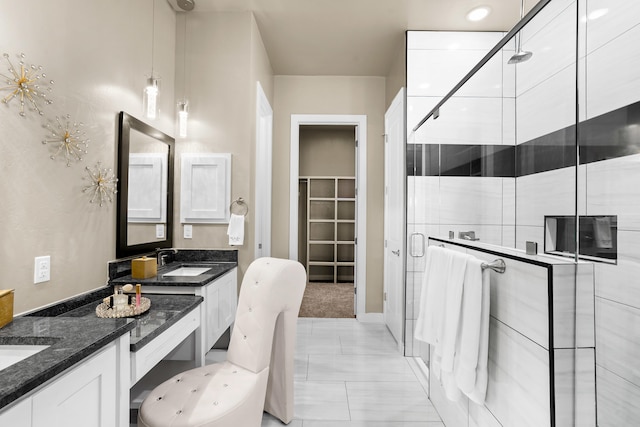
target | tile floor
x=350, y=374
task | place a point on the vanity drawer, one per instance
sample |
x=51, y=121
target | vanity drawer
x=148, y=356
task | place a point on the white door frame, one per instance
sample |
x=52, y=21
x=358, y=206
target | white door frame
x=264, y=149
x=360, y=121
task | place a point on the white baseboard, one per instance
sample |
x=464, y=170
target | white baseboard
x=370, y=318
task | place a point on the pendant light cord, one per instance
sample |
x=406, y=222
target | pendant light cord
x=153, y=32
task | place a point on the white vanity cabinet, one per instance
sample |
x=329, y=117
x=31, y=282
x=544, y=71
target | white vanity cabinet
x=86, y=395
x=217, y=310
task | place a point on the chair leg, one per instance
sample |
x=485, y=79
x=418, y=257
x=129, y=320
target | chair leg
x=279, y=398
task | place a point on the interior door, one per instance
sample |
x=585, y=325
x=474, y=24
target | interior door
x=394, y=218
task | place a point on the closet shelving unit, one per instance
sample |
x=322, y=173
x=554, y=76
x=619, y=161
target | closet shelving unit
x=331, y=203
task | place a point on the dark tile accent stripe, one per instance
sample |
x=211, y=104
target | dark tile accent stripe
x=555, y=150
x=608, y=136
x=460, y=160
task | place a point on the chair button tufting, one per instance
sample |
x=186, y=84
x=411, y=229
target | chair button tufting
x=244, y=337
x=234, y=372
x=225, y=385
x=250, y=309
x=194, y=390
x=215, y=403
x=178, y=412
x=159, y=398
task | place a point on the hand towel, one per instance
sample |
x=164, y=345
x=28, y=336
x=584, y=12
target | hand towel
x=602, y=232
x=236, y=230
x=471, y=374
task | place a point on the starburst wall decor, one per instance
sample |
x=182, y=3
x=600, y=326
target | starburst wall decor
x=68, y=139
x=102, y=186
x=26, y=83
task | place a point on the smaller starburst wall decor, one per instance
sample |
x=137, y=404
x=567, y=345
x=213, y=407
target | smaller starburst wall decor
x=26, y=83
x=102, y=187
x=68, y=139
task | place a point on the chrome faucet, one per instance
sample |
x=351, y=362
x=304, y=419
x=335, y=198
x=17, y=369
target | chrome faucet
x=162, y=256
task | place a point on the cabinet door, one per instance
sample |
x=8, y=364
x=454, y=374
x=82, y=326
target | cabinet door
x=228, y=299
x=84, y=397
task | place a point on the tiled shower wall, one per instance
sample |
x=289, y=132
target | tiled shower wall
x=509, y=209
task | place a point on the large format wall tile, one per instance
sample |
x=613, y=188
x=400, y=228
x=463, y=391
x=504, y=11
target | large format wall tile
x=519, y=378
x=546, y=193
x=619, y=282
x=612, y=190
x=423, y=195
x=617, y=400
x=471, y=200
x=436, y=72
x=619, y=17
x=548, y=107
x=618, y=339
x=612, y=77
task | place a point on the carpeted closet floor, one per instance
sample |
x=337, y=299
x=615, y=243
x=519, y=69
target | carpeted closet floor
x=327, y=300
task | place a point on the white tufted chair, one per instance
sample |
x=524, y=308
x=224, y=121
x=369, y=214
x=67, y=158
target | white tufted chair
x=258, y=372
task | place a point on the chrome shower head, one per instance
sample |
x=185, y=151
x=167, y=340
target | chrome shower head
x=520, y=56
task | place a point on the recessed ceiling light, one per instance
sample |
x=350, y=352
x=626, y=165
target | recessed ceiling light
x=478, y=13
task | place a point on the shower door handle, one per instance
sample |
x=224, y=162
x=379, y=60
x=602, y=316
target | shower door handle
x=417, y=245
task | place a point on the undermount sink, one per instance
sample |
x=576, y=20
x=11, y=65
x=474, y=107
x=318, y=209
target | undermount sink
x=188, y=271
x=13, y=353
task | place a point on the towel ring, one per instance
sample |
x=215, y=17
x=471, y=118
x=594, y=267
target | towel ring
x=240, y=206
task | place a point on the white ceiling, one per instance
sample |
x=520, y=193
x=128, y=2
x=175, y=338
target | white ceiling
x=355, y=37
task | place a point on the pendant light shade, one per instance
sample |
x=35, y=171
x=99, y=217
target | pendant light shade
x=183, y=115
x=150, y=98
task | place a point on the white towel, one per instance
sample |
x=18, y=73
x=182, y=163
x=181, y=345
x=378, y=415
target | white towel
x=236, y=230
x=432, y=295
x=602, y=232
x=473, y=338
x=439, y=312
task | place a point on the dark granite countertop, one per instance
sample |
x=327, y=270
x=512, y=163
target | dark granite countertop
x=73, y=332
x=70, y=341
x=216, y=270
x=165, y=311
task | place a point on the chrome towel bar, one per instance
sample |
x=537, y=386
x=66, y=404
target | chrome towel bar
x=498, y=265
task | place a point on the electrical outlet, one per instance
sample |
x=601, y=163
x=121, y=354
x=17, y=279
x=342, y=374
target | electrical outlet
x=42, y=269
x=188, y=231
x=159, y=231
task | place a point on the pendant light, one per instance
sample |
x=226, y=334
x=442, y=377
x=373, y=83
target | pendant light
x=183, y=105
x=151, y=91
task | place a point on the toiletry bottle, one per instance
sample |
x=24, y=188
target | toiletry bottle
x=119, y=299
x=138, y=296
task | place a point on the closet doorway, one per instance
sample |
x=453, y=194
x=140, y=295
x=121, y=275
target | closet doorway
x=327, y=213
x=326, y=219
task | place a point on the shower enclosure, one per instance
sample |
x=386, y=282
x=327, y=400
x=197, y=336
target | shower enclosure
x=543, y=152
